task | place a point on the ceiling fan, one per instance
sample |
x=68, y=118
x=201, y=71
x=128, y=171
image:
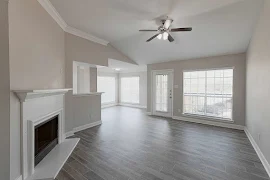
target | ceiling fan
x=164, y=30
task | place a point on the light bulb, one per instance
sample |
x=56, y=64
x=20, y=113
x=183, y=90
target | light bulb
x=117, y=69
x=165, y=36
x=159, y=36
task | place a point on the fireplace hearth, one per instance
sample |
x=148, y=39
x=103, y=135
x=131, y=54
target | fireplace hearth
x=46, y=138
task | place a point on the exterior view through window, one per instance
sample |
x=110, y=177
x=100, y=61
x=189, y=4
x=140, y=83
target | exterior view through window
x=162, y=93
x=107, y=85
x=208, y=93
x=130, y=88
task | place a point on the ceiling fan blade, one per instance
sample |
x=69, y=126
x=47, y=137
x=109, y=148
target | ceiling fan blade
x=181, y=29
x=170, y=38
x=148, y=30
x=152, y=38
x=168, y=23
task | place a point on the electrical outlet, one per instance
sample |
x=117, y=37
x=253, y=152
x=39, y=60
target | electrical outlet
x=90, y=116
x=259, y=136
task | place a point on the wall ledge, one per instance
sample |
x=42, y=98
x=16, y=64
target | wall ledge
x=25, y=95
x=88, y=94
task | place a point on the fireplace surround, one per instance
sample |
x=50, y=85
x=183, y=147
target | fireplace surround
x=38, y=107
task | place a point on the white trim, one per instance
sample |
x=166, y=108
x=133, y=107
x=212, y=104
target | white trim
x=132, y=105
x=19, y=178
x=81, y=128
x=69, y=134
x=149, y=113
x=85, y=35
x=88, y=94
x=47, y=5
x=258, y=151
x=25, y=95
x=108, y=105
x=212, y=123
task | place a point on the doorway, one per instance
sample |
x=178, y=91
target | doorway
x=162, y=93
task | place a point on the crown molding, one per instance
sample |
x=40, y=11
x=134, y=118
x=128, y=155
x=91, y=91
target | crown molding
x=47, y=5
x=85, y=35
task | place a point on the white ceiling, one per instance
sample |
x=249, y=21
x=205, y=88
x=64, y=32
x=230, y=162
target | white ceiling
x=219, y=26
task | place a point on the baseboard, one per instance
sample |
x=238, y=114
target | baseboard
x=149, y=113
x=258, y=151
x=212, y=123
x=19, y=178
x=68, y=134
x=132, y=105
x=108, y=105
x=80, y=128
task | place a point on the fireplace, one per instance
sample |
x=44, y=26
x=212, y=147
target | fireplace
x=46, y=138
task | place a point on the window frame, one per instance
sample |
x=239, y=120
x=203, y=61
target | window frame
x=206, y=117
x=120, y=90
x=115, y=94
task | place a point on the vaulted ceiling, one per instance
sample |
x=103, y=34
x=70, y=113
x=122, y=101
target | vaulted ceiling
x=219, y=26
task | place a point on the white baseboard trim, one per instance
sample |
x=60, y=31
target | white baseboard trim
x=258, y=151
x=132, y=105
x=68, y=134
x=212, y=123
x=19, y=178
x=108, y=105
x=149, y=113
x=80, y=128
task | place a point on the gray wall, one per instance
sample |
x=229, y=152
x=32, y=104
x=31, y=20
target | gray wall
x=82, y=50
x=37, y=60
x=143, y=86
x=237, y=61
x=4, y=93
x=258, y=83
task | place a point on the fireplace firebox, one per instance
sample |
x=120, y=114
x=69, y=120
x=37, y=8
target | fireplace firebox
x=46, y=138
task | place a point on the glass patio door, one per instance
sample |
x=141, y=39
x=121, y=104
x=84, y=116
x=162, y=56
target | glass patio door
x=162, y=93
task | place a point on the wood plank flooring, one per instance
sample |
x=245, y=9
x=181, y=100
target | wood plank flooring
x=130, y=145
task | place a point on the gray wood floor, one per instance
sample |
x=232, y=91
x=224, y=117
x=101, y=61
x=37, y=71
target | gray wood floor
x=132, y=146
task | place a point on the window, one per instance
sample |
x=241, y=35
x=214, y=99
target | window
x=106, y=84
x=209, y=93
x=130, y=87
x=162, y=92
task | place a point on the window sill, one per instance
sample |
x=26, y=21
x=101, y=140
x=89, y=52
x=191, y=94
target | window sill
x=208, y=118
x=88, y=94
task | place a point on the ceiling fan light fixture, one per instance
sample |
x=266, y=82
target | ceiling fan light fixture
x=159, y=36
x=165, y=36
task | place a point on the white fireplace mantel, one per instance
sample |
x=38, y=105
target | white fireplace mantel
x=36, y=107
x=25, y=95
